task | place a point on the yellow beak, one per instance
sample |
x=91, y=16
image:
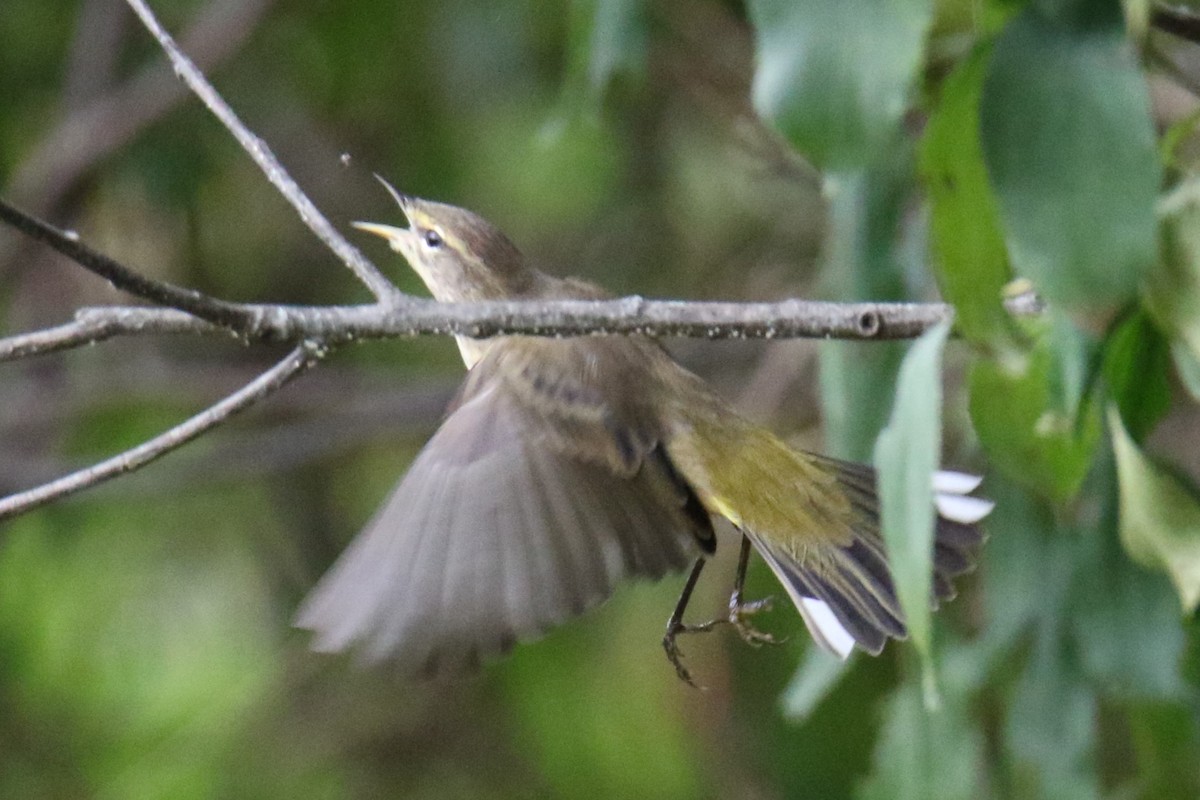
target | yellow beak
x=391, y=233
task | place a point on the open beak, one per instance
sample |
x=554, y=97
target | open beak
x=402, y=200
x=391, y=233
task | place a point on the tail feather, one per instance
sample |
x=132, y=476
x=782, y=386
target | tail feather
x=843, y=627
x=815, y=521
x=962, y=508
x=958, y=535
x=824, y=626
x=950, y=560
x=853, y=583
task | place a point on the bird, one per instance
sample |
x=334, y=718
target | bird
x=565, y=466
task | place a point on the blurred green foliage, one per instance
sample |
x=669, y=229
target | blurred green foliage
x=145, y=648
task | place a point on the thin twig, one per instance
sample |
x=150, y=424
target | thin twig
x=219, y=312
x=93, y=61
x=94, y=130
x=263, y=386
x=1181, y=21
x=258, y=150
x=96, y=327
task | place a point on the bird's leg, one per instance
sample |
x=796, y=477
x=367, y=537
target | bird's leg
x=739, y=611
x=675, y=625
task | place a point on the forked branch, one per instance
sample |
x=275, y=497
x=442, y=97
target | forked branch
x=258, y=150
x=316, y=328
x=263, y=386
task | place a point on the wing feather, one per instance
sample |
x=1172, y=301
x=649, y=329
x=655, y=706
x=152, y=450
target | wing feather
x=500, y=530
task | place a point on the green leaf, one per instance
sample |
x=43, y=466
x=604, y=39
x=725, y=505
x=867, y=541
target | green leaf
x=608, y=39
x=1173, y=140
x=971, y=260
x=1031, y=422
x=1021, y=534
x=1051, y=728
x=1166, y=738
x=924, y=755
x=856, y=388
x=1187, y=366
x=838, y=98
x=815, y=678
x=1173, y=284
x=862, y=262
x=1065, y=120
x=1125, y=619
x=1137, y=362
x=1160, y=516
x=906, y=456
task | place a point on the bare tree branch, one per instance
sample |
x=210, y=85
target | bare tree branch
x=261, y=322
x=196, y=303
x=94, y=58
x=263, y=386
x=96, y=327
x=97, y=129
x=258, y=150
x=787, y=319
x=394, y=314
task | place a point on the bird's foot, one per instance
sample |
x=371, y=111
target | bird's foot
x=674, y=654
x=739, y=617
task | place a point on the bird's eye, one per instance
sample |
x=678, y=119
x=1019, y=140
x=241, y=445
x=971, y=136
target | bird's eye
x=433, y=239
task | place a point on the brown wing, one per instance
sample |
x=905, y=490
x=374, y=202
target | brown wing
x=528, y=505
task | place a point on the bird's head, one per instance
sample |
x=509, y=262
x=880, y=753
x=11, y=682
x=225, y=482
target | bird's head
x=458, y=254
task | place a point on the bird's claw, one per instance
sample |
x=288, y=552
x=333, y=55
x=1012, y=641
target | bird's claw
x=739, y=618
x=675, y=655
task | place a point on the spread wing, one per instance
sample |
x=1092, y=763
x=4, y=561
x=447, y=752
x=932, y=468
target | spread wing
x=528, y=505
